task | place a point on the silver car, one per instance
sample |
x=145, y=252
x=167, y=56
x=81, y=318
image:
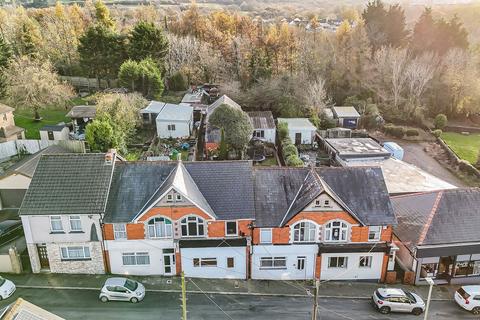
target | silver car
x=122, y=289
x=397, y=300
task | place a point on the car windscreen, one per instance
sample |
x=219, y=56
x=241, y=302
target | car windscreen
x=379, y=296
x=463, y=293
x=131, y=285
x=2, y=281
x=410, y=296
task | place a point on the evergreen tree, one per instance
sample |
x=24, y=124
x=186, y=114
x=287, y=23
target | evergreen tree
x=5, y=56
x=396, y=30
x=223, y=148
x=143, y=76
x=424, y=33
x=102, y=14
x=148, y=41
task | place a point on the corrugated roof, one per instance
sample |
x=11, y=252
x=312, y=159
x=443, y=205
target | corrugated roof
x=439, y=217
x=82, y=112
x=68, y=184
x=262, y=119
x=346, y=112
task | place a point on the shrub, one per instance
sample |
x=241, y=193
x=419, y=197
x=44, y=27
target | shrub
x=396, y=131
x=289, y=150
x=440, y=121
x=326, y=122
x=437, y=133
x=412, y=133
x=294, y=161
x=177, y=82
x=286, y=141
x=283, y=130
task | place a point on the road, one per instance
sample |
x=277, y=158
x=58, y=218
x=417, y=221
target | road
x=84, y=304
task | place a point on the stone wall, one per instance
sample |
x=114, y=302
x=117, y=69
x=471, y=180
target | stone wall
x=34, y=259
x=95, y=265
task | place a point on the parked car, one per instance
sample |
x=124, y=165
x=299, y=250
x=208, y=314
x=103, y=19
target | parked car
x=122, y=289
x=468, y=297
x=388, y=300
x=7, y=288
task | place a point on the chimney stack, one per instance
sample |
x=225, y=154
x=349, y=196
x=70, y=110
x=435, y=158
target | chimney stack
x=110, y=156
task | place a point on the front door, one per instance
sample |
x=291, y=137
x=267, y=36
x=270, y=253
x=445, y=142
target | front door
x=43, y=255
x=168, y=262
x=298, y=138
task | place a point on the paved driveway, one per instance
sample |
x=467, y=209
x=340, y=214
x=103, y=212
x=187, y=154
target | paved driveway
x=84, y=304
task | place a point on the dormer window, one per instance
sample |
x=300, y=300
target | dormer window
x=336, y=231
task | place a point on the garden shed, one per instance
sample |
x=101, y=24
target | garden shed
x=300, y=130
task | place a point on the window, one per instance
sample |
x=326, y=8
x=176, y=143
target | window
x=171, y=127
x=231, y=228
x=265, y=235
x=192, y=226
x=326, y=203
x=337, y=262
x=75, y=223
x=169, y=198
x=304, y=232
x=120, y=231
x=56, y=224
x=178, y=197
x=336, y=231
x=318, y=203
x=301, y=263
x=204, y=262
x=374, y=233
x=159, y=227
x=365, y=262
x=75, y=253
x=230, y=262
x=273, y=263
x=467, y=265
x=259, y=134
x=135, y=258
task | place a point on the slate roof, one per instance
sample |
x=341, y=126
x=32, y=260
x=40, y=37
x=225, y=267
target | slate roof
x=455, y=218
x=225, y=189
x=262, y=119
x=27, y=165
x=284, y=192
x=68, y=184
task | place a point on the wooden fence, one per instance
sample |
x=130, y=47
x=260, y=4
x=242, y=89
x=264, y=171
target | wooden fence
x=88, y=84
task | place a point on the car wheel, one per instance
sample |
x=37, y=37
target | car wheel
x=384, y=310
x=417, y=311
x=104, y=299
x=476, y=310
x=134, y=300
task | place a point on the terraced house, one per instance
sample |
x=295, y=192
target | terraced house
x=210, y=219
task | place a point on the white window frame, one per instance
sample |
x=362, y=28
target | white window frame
x=119, y=234
x=269, y=231
x=307, y=231
x=185, y=222
x=272, y=261
x=344, y=229
x=367, y=259
x=169, y=197
x=61, y=224
x=66, y=254
x=167, y=228
x=337, y=266
x=260, y=133
x=236, y=228
x=204, y=262
x=76, y=219
x=178, y=197
x=377, y=233
x=136, y=256
x=171, y=127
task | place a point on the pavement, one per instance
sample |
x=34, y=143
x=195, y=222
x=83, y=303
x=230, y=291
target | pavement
x=84, y=304
x=328, y=289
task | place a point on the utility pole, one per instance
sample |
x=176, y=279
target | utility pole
x=184, y=298
x=315, y=300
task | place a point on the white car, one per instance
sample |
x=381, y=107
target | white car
x=7, y=288
x=468, y=297
x=388, y=300
x=122, y=289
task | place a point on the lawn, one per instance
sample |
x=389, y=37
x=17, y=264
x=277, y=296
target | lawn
x=50, y=116
x=466, y=147
x=268, y=162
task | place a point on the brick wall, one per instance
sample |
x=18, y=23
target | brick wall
x=108, y=233
x=174, y=213
x=135, y=231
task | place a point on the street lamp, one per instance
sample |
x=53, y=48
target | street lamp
x=431, y=283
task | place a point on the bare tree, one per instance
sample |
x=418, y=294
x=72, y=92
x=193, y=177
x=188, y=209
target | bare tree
x=316, y=95
x=419, y=72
